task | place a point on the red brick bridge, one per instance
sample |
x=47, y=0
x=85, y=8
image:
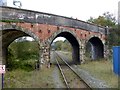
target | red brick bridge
x=44, y=28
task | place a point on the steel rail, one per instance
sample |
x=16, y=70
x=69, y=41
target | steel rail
x=74, y=71
x=66, y=83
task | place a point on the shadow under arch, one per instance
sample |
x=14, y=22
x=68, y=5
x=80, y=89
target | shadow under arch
x=8, y=35
x=74, y=41
x=96, y=48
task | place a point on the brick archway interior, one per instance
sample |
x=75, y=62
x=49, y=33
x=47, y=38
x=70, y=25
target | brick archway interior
x=8, y=36
x=96, y=48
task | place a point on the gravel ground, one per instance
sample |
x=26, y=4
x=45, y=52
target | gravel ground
x=88, y=78
x=56, y=77
x=57, y=81
x=93, y=82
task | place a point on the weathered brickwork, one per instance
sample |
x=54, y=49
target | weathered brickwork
x=45, y=34
x=44, y=28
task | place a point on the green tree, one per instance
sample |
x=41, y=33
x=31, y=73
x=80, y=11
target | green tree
x=58, y=45
x=63, y=45
x=22, y=55
x=107, y=19
x=67, y=46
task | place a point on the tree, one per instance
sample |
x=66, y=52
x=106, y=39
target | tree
x=109, y=20
x=63, y=45
x=106, y=19
x=67, y=46
x=58, y=45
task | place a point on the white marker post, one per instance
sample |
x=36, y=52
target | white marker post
x=2, y=71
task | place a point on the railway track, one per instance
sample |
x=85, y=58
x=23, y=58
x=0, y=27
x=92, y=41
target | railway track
x=70, y=76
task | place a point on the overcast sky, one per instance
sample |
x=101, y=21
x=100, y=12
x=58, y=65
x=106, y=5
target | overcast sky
x=81, y=9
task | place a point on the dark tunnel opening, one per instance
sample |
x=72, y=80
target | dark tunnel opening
x=96, y=48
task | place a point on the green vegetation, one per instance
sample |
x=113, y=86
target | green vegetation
x=102, y=69
x=33, y=79
x=22, y=55
x=63, y=45
x=12, y=21
x=108, y=20
x=21, y=72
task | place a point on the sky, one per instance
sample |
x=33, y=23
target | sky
x=80, y=9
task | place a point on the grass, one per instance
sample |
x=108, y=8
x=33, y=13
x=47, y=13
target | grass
x=69, y=54
x=22, y=57
x=102, y=69
x=33, y=79
x=12, y=21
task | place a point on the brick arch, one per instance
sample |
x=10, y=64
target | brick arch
x=9, y=34
x=62, y=30
x=24, y=31
x=89, y=37
x=97, y=47
x=72, y=38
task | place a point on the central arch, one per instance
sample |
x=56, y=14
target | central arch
x=71, y=37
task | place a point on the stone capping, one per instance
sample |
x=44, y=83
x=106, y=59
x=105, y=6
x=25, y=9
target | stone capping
x=47, y=18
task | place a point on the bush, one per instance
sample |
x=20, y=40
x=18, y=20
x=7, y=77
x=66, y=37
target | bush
x=22, y=55
x=27, y=67
x=12, y=21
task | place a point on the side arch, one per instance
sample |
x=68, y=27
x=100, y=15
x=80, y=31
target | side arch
x=17, y=29
x=96, y=47
x=9, y=34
